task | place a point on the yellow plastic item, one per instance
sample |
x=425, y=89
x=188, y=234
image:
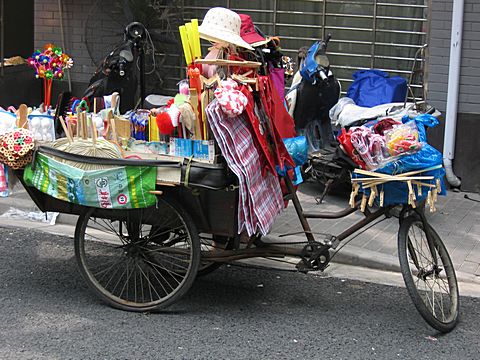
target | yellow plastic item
x=191, y=41
x=153, y=132
x=185, y=44
x=197, y=50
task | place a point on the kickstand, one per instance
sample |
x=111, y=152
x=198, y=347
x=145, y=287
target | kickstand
x=319, y=199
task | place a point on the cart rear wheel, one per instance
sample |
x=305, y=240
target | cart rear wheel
x=428, y=274
x=144, y=260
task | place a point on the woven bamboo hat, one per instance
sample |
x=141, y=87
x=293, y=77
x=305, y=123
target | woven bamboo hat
x=222, y=25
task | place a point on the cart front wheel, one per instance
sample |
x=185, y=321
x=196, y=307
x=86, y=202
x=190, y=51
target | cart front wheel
x=428, y=274
x=143, y=260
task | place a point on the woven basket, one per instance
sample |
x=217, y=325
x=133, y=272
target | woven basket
x=16, y=148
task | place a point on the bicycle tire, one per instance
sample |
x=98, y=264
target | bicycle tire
x=109, y=247
x=429, y=276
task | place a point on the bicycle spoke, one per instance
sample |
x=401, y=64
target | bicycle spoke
x=159, y=282
x=150, y=285
x=143, y=262
x=429, y=274
x=173, y=274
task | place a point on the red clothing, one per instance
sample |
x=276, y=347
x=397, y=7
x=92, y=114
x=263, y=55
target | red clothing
x=284, y=123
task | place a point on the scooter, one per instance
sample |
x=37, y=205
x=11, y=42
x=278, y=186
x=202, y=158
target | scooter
x=315, y=90
x=117, y=71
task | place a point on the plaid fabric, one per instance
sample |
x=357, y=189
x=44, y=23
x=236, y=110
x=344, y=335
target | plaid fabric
x=260, y=198
x=3, y=178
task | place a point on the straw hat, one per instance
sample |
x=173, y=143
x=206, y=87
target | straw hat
x=222, y=25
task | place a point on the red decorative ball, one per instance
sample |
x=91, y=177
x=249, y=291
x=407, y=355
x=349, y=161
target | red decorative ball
x=164, y=123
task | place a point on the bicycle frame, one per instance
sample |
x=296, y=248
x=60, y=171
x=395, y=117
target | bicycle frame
x=313, y=250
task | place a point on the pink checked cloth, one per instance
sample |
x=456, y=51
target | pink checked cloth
x=231, y=100
x=3, y=179
x=260, y=196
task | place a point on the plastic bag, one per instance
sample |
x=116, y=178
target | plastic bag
x=426, y=157
x=370, y=146
x=346, y=142
x=123, y=187
x=45, y=217
x=403, y=138
x=42, y=127
x=297, y=147
x=7, y=122
x=374, y=87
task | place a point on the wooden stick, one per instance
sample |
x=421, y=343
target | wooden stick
x=439, y=186
x=84, y=126
x=369, y=184
x=166, y=184
x=67, y=133
x=419, y=188
x=198, y=122
x=69, y=127
x=393, y=178
x=364, y=203
x=418, y=183
x=411, y=192
x=222, y=62
x=78, y=125
x=22, y=121
x=115, y=101
x=94, y=132
x=156, y=192
x=111, y=121
x=373, y=195
x=353, y=194
x=371, y=173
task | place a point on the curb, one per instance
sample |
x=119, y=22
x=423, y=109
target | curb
x=350, y=255
x=356, y=256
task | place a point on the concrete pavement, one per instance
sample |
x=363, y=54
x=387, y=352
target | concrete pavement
x=457, y=221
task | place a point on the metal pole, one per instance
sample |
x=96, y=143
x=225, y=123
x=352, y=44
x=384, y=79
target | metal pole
x=324, y=18
x=374, y=34
x=275, y=7
x=2, y=54
x=454, y=69
x=142, y=76
x=299, y=210
x=60, y=9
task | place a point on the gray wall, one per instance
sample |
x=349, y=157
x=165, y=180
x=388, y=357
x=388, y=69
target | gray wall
x=441, y=22
x=47, y=29
x=466, y=163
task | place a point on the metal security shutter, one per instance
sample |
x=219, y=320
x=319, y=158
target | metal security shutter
x=382, y=34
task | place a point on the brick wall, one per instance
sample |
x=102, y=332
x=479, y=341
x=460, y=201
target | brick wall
x=103, y=31
x=47, y=29
x=441, y=22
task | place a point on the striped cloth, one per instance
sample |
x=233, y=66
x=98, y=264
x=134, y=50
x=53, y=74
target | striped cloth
x=260, y=195
x=3, y=178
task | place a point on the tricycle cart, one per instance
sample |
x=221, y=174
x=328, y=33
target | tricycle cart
x=146, y=259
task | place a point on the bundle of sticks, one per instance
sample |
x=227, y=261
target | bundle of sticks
x=374, y=182
x=83, y=144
